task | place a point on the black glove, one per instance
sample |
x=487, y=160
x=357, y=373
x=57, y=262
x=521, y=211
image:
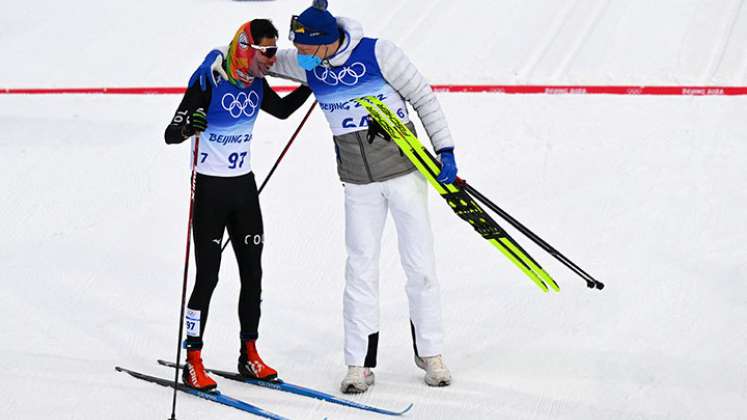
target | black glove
x=374, y=129
x=195, y=122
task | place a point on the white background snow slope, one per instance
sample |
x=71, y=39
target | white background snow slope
x=646, y=193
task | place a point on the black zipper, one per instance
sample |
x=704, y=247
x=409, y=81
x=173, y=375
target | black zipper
x=363, y=155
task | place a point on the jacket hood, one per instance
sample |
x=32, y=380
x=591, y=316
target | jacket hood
x=353, y=33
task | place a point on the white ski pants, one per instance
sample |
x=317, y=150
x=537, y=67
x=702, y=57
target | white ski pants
x=366, y=208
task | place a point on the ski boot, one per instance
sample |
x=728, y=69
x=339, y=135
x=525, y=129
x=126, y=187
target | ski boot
x=194, y=375
x=252, y=366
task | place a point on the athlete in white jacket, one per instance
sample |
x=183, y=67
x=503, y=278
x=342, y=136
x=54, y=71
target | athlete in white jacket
x=339, y=64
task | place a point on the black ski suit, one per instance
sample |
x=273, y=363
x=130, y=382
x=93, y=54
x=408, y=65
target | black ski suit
x=228, y=202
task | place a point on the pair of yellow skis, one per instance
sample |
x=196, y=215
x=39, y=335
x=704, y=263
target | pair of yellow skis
x=457, y=198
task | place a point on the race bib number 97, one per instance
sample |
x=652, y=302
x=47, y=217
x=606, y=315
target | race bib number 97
x=192, y=323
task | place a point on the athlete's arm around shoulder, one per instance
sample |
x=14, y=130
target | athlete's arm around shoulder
x=286, y=66
x=404, y=77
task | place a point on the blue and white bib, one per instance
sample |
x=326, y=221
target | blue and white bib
x=224, y=146
x=336, y=87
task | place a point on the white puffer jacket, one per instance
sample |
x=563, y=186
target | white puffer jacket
x=397, y=70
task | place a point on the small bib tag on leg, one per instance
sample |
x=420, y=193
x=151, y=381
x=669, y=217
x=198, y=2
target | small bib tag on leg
x=192, y=322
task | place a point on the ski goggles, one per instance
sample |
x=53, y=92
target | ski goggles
x=297, y=27
x=268, y=51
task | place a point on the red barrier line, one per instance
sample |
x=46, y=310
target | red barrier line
x=505, y=89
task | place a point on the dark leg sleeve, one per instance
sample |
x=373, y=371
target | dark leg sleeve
x=209, y=221
x=247, y=238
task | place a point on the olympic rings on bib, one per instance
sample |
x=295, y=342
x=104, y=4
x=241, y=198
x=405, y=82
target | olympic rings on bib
x=240, y=104
x=348, y=76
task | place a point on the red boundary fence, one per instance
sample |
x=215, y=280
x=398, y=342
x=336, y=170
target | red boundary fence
x=505, y=89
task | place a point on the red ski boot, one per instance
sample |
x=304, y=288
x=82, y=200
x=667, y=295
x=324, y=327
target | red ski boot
x=194, y=375
x=252, y=366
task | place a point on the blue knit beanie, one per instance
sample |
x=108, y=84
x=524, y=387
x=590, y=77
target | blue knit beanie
x=318, y=26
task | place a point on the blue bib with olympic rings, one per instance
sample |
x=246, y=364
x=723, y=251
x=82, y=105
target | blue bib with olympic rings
x=336, y=87
x=224, y=146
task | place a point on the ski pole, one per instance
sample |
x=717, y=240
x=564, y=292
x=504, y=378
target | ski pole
x=287, y=146
x=186, y=269
x=277, y=162
x=591, y=282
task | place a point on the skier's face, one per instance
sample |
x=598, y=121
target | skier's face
x=321, y=51
x=264, y=57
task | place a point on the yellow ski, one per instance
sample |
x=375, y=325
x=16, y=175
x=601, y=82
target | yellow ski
x=458, y=199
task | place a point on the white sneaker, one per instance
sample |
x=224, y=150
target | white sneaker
x=357, y=380
x=436, y=372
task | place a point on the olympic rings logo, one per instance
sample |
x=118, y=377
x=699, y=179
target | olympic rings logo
x=348, y=76
x=241, y=103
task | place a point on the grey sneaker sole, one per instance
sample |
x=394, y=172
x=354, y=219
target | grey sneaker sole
x=441, y=383
x=352, y=389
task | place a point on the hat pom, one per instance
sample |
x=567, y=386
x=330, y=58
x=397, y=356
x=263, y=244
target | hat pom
x=319, y=4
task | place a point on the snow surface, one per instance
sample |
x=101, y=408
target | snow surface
x=646, y=193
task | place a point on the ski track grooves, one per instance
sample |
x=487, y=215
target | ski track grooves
x=723, y=42
x=393, y=13
x=416, y=26
x=595, y=18
x=559, y=22
x=636, y=189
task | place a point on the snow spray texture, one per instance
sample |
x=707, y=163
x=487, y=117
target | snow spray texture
x=224, y=146
x=336, y=89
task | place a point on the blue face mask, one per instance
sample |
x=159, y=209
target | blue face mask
x=308, y=62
